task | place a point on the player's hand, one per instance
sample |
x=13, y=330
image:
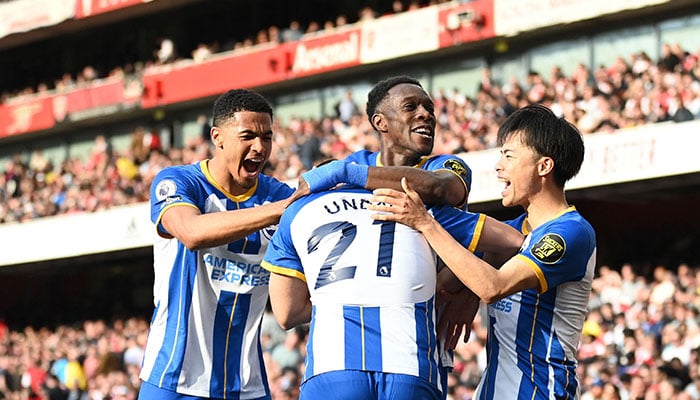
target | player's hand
x=457, y=312
x=302, y=190
x=404, y=207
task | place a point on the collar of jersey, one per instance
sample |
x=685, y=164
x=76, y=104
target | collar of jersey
x=378, y=161
x=525, y=230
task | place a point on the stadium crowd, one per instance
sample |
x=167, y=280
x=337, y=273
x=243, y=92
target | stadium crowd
x=167, y=51
x=630, y=92
x=641, y=341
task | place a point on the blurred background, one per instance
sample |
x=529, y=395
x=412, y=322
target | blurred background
x=96, y=96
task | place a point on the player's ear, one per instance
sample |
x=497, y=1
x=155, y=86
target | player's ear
x=379, y=122
x=545, y=166
x=216, y=137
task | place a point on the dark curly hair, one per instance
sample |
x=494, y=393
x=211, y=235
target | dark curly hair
x=233, y=101
x=380, y=90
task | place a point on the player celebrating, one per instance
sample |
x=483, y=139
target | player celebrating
x=537, y=299
x=212, y=221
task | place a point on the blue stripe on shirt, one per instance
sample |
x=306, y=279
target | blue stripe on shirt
x=229, y=327
x=168, y=364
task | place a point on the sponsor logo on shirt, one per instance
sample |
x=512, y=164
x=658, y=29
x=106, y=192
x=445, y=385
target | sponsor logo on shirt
x=549, y=249
x=236, y=272
x=456, y=167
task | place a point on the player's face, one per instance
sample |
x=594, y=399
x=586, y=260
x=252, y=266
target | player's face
x=517, y=169
x=245, y=143
x=410, y=118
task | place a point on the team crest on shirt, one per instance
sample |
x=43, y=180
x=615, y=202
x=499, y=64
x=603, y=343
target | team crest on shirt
x=165, y=188
x=549, y=249
x=456, y=167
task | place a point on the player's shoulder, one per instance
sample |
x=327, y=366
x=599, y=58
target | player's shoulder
x=571, y=219
x=567, y=230
x=364, y=157
x=450, y=162
x=339, y=195
x=271, y=186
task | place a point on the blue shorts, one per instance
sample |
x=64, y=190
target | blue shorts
x=364, y=385
x=149, y=391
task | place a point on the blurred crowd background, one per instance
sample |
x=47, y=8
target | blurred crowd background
x=641, y=341
x=634, y=90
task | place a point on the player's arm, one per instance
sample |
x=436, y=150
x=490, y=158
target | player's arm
x=289, y=297
x=439, y=187
x=498, y=241
x=487, y=282
x=196, y=230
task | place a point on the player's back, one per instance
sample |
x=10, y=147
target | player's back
x=349, y=258
x=372, y=285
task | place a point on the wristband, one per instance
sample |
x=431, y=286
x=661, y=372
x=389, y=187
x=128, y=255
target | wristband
x=334, y=173
x=356, y=174
x=325, y=177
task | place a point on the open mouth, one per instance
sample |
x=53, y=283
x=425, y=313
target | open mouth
x=506, y=185
x=252, y=165
x=424, y=131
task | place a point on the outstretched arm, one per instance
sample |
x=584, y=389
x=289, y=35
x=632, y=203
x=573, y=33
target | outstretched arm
x=489, y=283
x=441, y=187
x=196, y=230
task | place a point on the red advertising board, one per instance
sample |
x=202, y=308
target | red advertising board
x=455, y=23
x=89, y=8
x=26, y=116
x=328, y=52
x=177, y=83
x=468, y=22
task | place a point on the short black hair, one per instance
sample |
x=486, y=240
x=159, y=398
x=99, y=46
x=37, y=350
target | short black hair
x=549, y=136
x=380, y=90
x=236, y=100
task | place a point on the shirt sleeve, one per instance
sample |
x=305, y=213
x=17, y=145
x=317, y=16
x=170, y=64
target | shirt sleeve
x=453, y=164
x=559, y=253
x=465, y=227
x=281, y=256
x=170, y=188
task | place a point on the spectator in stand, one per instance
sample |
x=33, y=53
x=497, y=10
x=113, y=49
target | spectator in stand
x=346, y=107
x=201, y=52
x=366, y=14
x=341, y=20
x=293, y=32
x=312, y=27
x=166, y=52
x=274, y=34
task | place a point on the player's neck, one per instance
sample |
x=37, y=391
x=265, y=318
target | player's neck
x=545, y=206
x=391, y=159
x=223, y=178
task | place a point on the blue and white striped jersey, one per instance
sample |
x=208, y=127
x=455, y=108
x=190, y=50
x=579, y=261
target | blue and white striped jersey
x=204, y=335
x=372, y=283
x=533, y=337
